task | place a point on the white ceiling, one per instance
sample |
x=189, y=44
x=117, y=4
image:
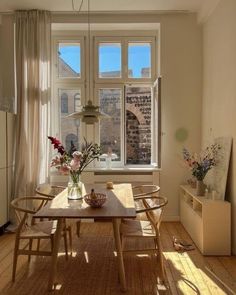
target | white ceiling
x=103, y=5
x=202, y=7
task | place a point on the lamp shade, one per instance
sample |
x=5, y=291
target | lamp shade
x=90, y=114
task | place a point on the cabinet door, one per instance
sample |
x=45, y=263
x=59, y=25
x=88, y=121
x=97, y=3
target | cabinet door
x=3, y=196
x=3, y=154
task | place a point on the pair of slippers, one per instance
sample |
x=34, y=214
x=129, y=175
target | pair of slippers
x=181, y=245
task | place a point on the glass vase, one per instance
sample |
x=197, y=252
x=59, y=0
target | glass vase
x=200, y=189
x=108, y=162
x=74, y=188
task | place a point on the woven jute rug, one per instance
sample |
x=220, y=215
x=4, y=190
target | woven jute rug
x=90, y=270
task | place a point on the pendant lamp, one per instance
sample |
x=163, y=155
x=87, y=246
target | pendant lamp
x=90, y=113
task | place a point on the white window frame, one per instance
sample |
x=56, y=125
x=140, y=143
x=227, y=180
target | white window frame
x=95, y=82
x=124, y=58
x=126, y=81
x=69, y=40
x=122, y=118
x=66, y=83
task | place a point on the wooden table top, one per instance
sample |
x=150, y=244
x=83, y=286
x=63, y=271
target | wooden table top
x=119, y=204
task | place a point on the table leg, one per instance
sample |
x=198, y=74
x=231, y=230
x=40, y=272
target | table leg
x=56, y=245
x=121, y=268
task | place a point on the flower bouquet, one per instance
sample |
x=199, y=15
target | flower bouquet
x=201, y=164
x=73, y=163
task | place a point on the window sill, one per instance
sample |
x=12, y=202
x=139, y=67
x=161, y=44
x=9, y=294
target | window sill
x=119, y=174
x=116, y=169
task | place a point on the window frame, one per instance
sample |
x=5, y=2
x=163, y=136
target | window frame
x=122, y=83
x=123, y=37
x=120, y=163
x=124, y=58
x=68, y=39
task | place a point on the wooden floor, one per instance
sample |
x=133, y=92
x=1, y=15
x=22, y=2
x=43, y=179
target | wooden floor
x=92, y=270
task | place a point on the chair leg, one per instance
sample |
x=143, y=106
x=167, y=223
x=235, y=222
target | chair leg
x=52, y=242
x=160, y=258
x=70, y=238
x=15, y=256
x=38, y=245
x=78, y=223
x=30, y=248
x=65, y=242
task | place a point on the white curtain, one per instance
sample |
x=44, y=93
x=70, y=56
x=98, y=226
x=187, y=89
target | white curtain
x=33, y=48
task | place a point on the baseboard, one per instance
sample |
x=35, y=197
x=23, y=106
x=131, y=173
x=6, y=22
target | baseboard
x=3, y=227
x=171, y=218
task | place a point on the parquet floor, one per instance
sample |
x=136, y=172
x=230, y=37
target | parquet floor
x=92, y=269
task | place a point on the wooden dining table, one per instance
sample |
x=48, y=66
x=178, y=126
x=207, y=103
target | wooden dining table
x=119, y=204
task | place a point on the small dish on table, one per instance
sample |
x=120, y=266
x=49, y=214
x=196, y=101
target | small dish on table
x=96, y=200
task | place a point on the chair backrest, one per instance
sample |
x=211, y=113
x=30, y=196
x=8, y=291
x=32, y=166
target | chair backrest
x=150, y=203
x=155, y=206
x=144, y=190
x=26, y=207
x=49, y=190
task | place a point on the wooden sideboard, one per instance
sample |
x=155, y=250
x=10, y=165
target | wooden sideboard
x=207, y=221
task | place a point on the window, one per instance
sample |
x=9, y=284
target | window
x=138, y=128
x=139, y=60
x=109, y=55
x=124, y=71
x=110, y=129
x=124, y=76
x=77, y=102
x=68, y=88
x=64, y=103
x=69, y=60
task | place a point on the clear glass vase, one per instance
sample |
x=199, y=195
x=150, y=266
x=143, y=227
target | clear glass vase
x=200, y=189
x=74, y=187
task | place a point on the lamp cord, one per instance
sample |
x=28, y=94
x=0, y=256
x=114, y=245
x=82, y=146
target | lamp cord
x=88, y=98
x=73, y=5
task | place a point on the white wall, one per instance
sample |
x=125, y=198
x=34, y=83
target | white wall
x=219, y=86
x=181, y=69
x=0, y=58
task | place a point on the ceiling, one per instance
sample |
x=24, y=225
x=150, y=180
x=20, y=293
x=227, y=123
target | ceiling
x=202, y=7
x=103, y=5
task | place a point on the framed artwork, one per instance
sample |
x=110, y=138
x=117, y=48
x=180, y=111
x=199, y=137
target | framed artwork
x=216, y=178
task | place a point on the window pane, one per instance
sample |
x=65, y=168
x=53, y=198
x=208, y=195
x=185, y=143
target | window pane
x=138, y=125
x=70, y=102
x=69, y=60
x=109, y=55
x=139, y=60
x=77, y=103
x=110, y=134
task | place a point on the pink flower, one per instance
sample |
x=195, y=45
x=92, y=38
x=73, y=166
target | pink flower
x=64, y=169
x=56, y=161
x=77, y=155
x=75, y=162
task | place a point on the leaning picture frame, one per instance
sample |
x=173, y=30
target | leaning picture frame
x=216, y=178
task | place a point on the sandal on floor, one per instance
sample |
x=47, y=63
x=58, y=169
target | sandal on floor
x=181, y=245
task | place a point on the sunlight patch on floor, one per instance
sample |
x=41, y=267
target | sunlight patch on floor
x=58, y=287
x=86, y=256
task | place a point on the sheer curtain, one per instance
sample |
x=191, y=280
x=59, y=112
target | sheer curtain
x=33, y=48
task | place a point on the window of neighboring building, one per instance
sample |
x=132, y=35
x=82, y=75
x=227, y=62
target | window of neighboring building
x=77, y=102
x=64, y=103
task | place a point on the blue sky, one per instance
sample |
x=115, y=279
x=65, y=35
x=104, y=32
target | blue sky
x=139, y=57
